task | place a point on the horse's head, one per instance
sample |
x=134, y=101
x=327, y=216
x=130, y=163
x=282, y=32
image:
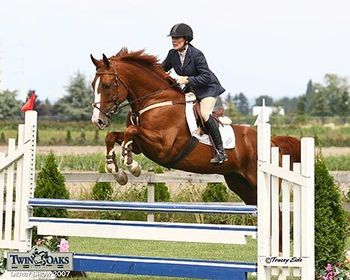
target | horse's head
x=109, y=92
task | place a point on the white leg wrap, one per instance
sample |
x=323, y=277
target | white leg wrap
x=126, y=147
x=134, y=168
x=110, y=168
x=111, y=152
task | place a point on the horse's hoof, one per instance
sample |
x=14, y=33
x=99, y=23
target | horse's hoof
x=134, y=168
x=121, y=177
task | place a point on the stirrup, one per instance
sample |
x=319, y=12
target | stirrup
x=219, y=158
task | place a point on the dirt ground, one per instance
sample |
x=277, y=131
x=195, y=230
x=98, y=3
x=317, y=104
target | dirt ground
x=83, y=150
x=67, y=150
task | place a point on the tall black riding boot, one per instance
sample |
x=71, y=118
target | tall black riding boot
x=214, y=132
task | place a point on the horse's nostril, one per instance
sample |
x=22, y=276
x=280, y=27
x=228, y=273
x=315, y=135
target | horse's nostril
x=100, y=122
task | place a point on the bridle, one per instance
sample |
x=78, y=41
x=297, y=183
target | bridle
x=116, y=108
x=116, y=105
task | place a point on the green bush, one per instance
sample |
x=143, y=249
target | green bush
x=331, y=225
x=161, y=191
x=82, y=137
x=2, y=138
x=50, y=184
x=215, y=192
x=68, y=137
x=96, y=137
x=102, y=190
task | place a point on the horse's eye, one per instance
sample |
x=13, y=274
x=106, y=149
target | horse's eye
x=106, y=86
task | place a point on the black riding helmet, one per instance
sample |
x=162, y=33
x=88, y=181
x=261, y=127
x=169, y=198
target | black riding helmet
x=182, y=30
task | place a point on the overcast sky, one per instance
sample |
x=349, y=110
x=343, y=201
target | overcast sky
x=256, y=47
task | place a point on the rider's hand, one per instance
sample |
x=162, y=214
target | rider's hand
x=182, y=80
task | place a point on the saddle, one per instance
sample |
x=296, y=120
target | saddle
x=217, y=114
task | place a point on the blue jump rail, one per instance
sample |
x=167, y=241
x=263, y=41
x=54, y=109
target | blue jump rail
x=163, y=266
x=208, y=208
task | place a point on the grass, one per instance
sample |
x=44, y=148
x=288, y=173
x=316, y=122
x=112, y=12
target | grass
x=339, y=163
x=227, y=252
x=91, y=162
x=206, y=251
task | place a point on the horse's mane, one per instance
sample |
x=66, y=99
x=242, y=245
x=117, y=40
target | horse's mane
x=151, y=62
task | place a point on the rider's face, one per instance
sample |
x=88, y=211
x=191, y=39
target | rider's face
x=178, y=43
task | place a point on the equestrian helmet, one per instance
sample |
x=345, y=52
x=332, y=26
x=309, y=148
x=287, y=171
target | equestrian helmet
x=182, y=30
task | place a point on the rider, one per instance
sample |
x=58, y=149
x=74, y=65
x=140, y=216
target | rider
x=191, y=66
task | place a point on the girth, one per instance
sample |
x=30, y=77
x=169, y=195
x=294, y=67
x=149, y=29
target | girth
x=188, y=148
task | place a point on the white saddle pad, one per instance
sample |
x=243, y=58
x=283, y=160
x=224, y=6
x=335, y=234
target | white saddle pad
x=226, y=131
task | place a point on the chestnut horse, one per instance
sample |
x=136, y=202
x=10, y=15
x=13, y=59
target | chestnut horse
x=156, y=124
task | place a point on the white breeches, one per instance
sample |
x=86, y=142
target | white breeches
x=207, y=105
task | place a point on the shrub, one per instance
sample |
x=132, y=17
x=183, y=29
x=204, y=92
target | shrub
x=96, y=137
x=215, y=192
x=68, y=137
x=102, y=190
x=50, y=184
x=2, y=138
x=82, y=137
x=330, y=219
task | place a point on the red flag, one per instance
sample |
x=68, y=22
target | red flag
x=29, y=106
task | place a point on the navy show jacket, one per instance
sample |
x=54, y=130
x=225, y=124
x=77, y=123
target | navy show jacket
x=201, y=79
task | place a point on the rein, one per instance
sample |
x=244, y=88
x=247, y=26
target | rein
x=118, y=106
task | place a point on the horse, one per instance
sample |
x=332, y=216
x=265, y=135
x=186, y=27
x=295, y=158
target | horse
x=156, y=125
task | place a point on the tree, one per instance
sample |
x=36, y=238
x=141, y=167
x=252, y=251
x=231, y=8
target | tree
x=290, y=105
x=10, y=106
x=328, y=99
x=46, y=108
x=321, y=106
x=335, y=86
x=76, y=105
x=344, y=106
x=242, y=103
x=231, y=110
x=309, y=96
x=301, y=106
x=268, y=100
x=228, y=99
x=218, y=102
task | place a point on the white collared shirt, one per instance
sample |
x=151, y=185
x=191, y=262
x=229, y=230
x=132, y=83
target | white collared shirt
x=183, y=55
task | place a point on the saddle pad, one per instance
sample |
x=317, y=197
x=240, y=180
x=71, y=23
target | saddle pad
x=226, y=131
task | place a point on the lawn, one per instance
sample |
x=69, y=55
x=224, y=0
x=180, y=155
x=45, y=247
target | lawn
x=206, y=251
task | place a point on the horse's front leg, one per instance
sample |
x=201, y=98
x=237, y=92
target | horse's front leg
x=111, y=161
x=132, y=165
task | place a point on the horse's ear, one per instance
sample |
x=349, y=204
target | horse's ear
x=105, y=60
x=94, y=60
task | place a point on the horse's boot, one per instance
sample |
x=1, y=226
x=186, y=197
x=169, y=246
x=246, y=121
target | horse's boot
x=213, y=130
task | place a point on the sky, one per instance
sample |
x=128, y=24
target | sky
x=257, y=47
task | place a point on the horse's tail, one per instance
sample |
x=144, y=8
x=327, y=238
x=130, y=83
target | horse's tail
x=288, y=146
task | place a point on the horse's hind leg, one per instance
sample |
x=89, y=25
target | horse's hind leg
x=240, y=186
x=111, y=162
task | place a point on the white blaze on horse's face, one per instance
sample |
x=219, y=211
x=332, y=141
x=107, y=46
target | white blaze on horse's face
x=98, y=118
